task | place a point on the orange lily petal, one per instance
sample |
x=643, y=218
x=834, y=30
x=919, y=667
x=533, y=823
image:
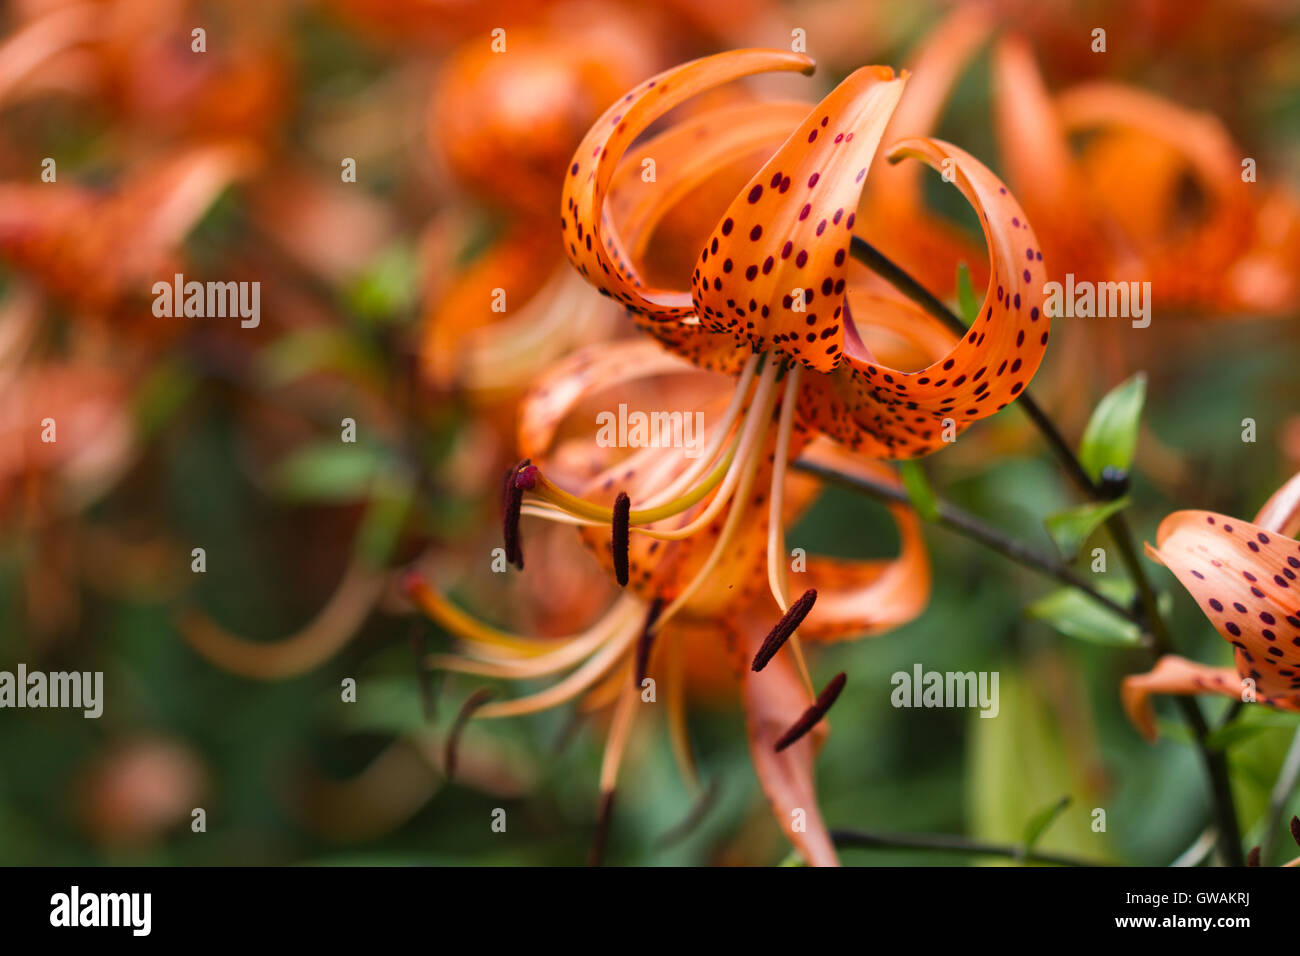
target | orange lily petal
x=95, y=250
x=584, y=373
x=790, y=228
x=944, y=52
x=589, y=237
x=699, y=162
x=775, y=699
x=1247, y=581
x=1173, y=675
x=891, y=413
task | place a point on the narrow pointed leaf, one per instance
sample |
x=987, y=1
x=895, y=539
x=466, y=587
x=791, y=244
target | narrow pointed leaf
x=1072, y=527
x=1076, y=615
x=1111, y=436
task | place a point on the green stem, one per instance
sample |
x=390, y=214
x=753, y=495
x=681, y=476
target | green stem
x=945, y=843
x=969, y=526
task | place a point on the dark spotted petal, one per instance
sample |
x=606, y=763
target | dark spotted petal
x=778, y=268
x=1247, y=581
x=590, y=240
x=894, y=414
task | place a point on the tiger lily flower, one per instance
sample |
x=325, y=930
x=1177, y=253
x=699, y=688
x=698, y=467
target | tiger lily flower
x=770, y=285
x=784, y=236
x=1244, y=576
x=697, y=609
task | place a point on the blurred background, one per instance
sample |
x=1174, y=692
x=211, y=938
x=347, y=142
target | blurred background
x=379, y=169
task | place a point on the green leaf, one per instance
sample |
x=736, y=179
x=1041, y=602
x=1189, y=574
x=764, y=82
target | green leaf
x=918, y=490
x=1077, y=615
x=1043, y=819
x=1072, y=527
x=1020, y=762
x=1112, y=432
x=967, y=304
x=329, y=471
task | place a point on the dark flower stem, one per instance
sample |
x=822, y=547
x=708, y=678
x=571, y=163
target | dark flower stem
x=1153, y=623
x=946, y=843
x=969, y=526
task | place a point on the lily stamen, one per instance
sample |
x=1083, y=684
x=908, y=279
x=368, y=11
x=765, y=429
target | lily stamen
x=513, y=496
x=619, y=537
x=554, y=503
x=784, y=629
x=813, y=714
x=778, y=576
x=619, y=731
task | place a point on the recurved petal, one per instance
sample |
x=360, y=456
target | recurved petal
x=583, y=374
x=699, y=164
x=774, y=699
x=1172, y=675
x=891, y=413
x=1247, y=581
x=591, y=240
x=790, y=227
x=866, y=598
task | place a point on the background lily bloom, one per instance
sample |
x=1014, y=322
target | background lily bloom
x=1244, y=577
x=1119, y=210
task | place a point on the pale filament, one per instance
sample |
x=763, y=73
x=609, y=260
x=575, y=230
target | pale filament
x=750, y=456
x=716, y=443
x=573, y=685
x=619, y=731
x=569, y=651
x=778, y=571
